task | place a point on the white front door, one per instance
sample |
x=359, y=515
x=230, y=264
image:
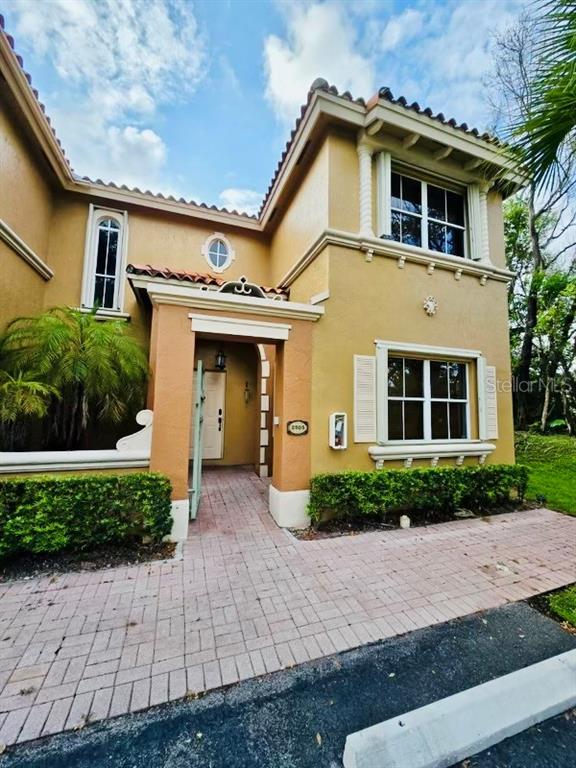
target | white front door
x=213, y=424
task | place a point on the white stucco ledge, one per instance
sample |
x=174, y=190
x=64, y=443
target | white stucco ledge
x=132, y=451
x=289, y=508
x=434, y=451
x=180, y=519
x=451, y=729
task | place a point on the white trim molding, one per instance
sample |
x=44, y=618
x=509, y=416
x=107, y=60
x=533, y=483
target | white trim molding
x=231, y=326
x=230, y=252
x=196, y=298
x=400, y=252
x=95, y=216
x=23, y=250
x=427, y=448
x=430, y=450
x=289, y=508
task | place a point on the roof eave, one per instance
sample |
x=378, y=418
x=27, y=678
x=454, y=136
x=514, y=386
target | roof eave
x=32, y=111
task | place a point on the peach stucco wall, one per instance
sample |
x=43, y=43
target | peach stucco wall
x=25, y=206
x=376, y=300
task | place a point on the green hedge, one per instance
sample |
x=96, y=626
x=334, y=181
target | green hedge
x=49, y=514
x=354, y=494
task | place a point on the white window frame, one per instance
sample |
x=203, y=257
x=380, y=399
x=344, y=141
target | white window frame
x=384, y=349
x=206, y=251
x=95, y=217
x=426, y=399
x=424, y=216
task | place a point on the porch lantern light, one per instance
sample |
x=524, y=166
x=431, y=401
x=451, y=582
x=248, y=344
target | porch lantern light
x=220, y=361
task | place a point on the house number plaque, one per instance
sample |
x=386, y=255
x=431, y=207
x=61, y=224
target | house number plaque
x=297, y=427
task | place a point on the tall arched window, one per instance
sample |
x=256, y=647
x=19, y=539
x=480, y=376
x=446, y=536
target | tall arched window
x=105, y=277
x=103, y=284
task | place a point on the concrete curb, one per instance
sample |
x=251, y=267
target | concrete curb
x=452, y=729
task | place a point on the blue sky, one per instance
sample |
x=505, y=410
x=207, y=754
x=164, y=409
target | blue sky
x=197, y=99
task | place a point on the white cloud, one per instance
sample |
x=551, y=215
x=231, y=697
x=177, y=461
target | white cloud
x=118, y=61
x=438, y=54
x=321, y=42
x=241, y=200
x=401, y=28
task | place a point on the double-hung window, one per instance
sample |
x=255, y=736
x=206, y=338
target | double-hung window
x=427, y=399
x=426, y=215
x=103, y=286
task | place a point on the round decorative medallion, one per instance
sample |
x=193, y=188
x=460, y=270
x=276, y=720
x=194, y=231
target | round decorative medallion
x=430, y=306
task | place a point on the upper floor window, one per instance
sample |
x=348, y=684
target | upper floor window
x=104, y=260
x=218, y=252
x=427, y=216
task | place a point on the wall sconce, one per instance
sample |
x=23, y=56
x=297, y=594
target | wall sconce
x=247, y=394
x=220, y=361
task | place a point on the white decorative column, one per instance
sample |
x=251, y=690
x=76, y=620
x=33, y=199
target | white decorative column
x=365, y=168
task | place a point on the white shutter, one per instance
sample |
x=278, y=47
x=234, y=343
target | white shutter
x=491, y=403
x=364, y=399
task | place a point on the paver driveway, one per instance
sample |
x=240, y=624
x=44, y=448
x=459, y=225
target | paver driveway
x=247, y=599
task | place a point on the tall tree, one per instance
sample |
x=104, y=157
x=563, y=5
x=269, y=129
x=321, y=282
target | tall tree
x=541, y=222
x=97, y=368
x=540, y=133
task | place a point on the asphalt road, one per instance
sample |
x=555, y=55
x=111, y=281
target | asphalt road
x=300, y=718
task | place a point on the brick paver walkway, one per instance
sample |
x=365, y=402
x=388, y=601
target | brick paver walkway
x=248, y=599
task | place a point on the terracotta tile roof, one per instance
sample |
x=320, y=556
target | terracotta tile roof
x=383, y=94
x=28, y=77
x=100, y=182
x=319, y=84
x=185, y=276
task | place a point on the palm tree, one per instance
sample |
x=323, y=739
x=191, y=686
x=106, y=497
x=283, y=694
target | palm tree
x=540, y=138
x=21, y=400
x=96, y=367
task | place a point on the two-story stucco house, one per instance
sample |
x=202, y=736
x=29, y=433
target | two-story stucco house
x=358, y=322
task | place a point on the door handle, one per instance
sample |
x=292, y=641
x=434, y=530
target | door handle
x=219, y=423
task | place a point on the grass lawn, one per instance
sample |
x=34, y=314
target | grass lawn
x=552, y=463
x=563, y=604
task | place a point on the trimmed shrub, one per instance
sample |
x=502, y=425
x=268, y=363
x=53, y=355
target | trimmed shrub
x=49, y=514
x=443, y=489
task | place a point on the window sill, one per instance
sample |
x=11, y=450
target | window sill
x=107, y=313
x=433, y=451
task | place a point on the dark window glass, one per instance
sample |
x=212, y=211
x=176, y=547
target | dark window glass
x=112, y=250
x=457, y=421
x=411, y=230
x=395, y=420
x=395, y=377
x=438, y=379
x=439, y=416
x=99, y=291
x=436, y=237
x=411, y=195
x=455, y=207
x=436, y=203
x=413, y=420
x=397, y=226
x=102, y=251
x=413, y=378
x=454, y=241
x=396, y=193
x=457, y=375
